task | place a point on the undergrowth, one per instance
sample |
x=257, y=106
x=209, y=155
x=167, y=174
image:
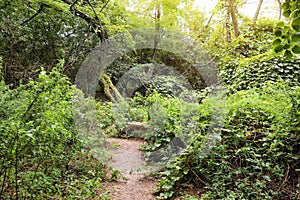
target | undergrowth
x=40, y=153
x=258, y=156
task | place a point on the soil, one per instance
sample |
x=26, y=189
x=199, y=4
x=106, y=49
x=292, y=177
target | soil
x=128, y=160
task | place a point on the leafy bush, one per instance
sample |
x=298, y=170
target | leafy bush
x=256, y=72
x=161, y=112
x=41, y=154
x=252, y=41
x=258, y=156
x=168, y=122
x=164, y=120
x=168, y=85
x=286, y=33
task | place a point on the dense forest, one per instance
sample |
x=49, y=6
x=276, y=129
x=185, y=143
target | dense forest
x=212, y=96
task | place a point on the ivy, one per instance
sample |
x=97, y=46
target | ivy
x=258, y=156
x=256, y=72
x=287, y=38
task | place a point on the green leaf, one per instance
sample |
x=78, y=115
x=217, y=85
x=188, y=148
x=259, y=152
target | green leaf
x=278, y=48
x=286, y=46
x=296, y=49
x=279, y=25
x=288, y=54
x=285, y=5
x=296, y=37
x=276, y=42
x=295, y=13
x=278, y=32
x=286, y=13
x=296, y=24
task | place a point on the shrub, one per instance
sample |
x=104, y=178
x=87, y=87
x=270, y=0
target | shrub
x=41, y=154
x=258, y=156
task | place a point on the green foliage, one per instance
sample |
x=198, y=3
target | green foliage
x=41, y=154
x=287, y=34
x=144, y=13
x=164, y=117
x=252, y=41
x=41, y=32
x=169, y=122
x=41, y=41
x=168, y=85
x=258, y=156
x=1, y=70
x=161, y=112
x=256, y=72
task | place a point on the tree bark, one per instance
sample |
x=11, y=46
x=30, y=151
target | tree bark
x=280, y=9
x=227, y=27
x=157, y=29
x=257, y=12
x=234, y=18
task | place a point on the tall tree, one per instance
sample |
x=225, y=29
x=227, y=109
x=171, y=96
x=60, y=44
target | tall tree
x=257, y=12
x=157, y=19
x=227, y=27
x=146, y=13
x=232, y=11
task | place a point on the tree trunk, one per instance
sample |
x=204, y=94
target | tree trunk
x=110, y=91
x=257, y=12
x=233, y=18
x=227, y=27
x=157, y=29
x=280, y=9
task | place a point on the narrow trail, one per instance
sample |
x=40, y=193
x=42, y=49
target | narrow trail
x=127, y=158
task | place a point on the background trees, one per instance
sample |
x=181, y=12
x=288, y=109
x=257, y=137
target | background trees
x=45, y=33
x=257, y=156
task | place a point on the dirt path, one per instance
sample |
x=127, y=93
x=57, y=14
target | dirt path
x=127, y=158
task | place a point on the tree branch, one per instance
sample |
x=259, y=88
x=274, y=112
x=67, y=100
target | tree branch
x=36, y=14
x=101, y=34
x=285, y=178
x=73, y=4
x=97, y=18
x=215, y=10
x=104, y=5
x=232, y=8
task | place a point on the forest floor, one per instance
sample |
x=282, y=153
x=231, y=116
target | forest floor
x=135, y=181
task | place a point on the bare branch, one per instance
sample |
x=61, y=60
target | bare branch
x=104, y=5
x=97, y=18
x=215, y=10
x=36, y=14
x=74, y=3
x=96, y=24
